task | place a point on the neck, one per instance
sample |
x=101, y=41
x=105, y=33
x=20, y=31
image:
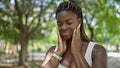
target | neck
x=69, y=43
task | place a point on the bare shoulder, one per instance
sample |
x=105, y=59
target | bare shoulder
x=99, y=57
x=50, y=50
x=98, y=49
x=48, y=56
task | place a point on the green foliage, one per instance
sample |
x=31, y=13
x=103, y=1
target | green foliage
x=100, y=14
x=1, y=51
x=104, y=17
x=20, y=19
x=45, y=36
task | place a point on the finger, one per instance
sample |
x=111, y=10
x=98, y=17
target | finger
x=74, y=35
x=58, y=33
x=78, y=31
x=59, y=38
x=79, y=26
x=61, y=42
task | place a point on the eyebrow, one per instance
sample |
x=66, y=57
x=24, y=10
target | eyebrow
x=66, y=19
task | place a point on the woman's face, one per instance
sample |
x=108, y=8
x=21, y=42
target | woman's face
x=67, y=21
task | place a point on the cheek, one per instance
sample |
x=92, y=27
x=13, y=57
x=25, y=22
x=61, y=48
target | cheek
x=75, y=26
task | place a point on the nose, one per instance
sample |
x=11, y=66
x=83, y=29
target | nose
x=64, y=26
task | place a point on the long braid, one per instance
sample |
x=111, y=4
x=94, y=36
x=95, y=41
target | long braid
x=71, y=5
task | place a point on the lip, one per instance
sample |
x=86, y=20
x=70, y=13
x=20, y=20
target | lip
x=65, y=33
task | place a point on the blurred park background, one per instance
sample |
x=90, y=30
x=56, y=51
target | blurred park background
x=28, y=29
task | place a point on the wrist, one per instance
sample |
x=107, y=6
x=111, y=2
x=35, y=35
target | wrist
x=58, y=53
x=76, y=51
x=57, y=57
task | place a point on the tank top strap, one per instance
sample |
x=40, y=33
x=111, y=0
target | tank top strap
x=88, y=54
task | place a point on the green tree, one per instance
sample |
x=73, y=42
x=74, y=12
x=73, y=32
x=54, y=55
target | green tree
x=20, y=19
x=101, y=18
x=93, y=12
x=106, y=28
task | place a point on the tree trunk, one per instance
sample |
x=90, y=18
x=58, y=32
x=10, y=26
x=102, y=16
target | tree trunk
x=91, y=31
x=5, y=47
x=117, y=48
x=23, y=52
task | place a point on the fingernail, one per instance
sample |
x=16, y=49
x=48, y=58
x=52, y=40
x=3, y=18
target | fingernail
x=74, y=30
x=79, y=25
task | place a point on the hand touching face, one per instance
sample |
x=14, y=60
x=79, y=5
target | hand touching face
x=67, y=21
x=61, y=48
x=76, y=40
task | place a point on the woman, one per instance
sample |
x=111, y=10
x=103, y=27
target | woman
x=74, y=49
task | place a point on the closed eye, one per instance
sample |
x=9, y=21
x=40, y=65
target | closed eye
x=69, y=23
x=59, y=24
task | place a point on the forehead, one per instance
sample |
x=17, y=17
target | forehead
x=66, y=15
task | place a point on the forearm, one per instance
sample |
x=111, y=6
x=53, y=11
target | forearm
x=79, y=60
x=51, y=63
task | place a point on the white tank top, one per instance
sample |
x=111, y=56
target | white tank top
x=88, y=55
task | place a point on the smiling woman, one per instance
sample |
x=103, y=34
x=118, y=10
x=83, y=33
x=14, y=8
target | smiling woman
x=67, y=21
x=74, y=49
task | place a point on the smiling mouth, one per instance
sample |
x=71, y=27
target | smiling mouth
x=65, y=34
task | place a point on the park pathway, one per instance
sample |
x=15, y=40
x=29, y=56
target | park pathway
x=113, y=59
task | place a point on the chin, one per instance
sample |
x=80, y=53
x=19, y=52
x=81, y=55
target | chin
x=66, y=37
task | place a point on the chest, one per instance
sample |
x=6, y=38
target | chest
x=68, y=60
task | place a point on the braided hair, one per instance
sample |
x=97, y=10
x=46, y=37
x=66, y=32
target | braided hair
x=71, y=5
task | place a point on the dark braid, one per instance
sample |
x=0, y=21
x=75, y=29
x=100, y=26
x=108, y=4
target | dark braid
x=71, y=5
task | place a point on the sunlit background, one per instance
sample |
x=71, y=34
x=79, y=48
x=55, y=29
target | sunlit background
x=28, y=29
